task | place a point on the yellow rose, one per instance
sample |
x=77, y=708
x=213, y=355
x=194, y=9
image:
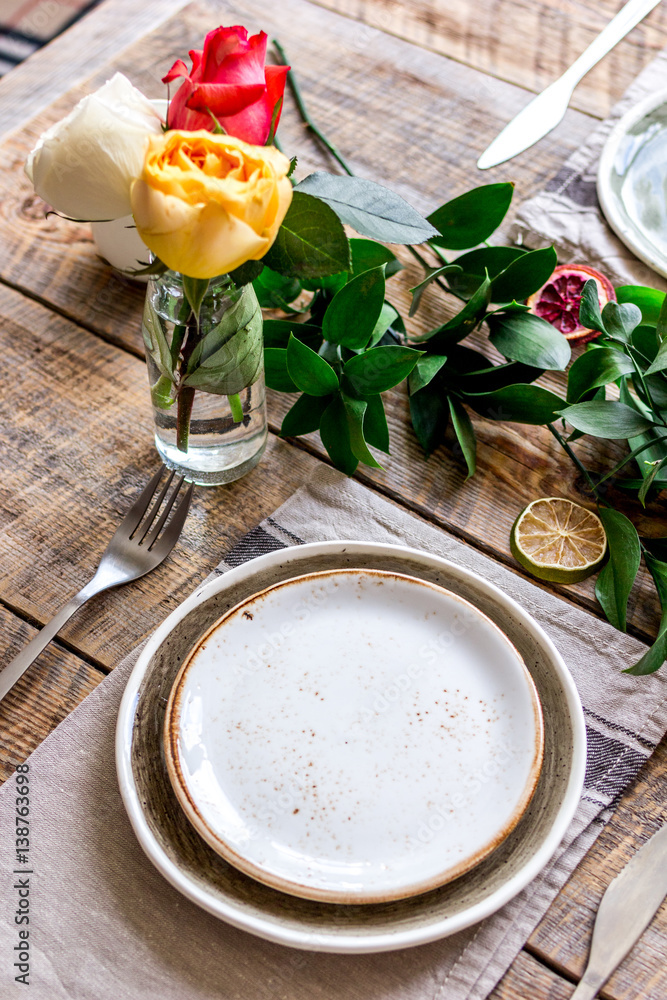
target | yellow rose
x=205, y=204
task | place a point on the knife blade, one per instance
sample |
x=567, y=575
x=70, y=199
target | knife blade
x=546, y=110
x=629, y=904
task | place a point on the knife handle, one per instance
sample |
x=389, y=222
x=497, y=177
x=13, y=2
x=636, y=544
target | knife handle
x=627, y=18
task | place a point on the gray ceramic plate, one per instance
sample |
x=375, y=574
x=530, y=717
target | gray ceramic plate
x=188, y=862
x=632, y=180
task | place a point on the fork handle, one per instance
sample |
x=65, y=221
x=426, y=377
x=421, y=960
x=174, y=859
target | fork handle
x=18, y=666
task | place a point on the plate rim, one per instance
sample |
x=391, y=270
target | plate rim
x=268, y=928
x=222, y=847
x=608, y=201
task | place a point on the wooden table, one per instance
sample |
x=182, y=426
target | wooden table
x=411, y=91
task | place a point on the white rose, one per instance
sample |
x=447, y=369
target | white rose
x=84, y=165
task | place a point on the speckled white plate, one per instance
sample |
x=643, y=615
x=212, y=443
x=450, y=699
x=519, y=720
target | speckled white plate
x=187, y=861
x=632, y=179
x=354, y=736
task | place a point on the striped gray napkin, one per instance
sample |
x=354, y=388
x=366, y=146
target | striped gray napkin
x=105, y=924
x=567, y=212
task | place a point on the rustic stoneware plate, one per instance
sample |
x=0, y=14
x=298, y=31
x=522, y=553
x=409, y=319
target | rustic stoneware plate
x=192, y=866
x=387, y=741
x=632, y=177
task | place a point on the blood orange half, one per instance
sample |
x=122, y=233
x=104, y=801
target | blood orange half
x=558, y=300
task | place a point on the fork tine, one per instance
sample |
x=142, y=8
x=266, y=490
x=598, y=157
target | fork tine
x=140, y=505
x=173, y=529
x=145, y=525
x=147, y=538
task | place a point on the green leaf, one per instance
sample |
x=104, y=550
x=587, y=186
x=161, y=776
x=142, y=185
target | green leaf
x=655, y=656
x=309, y=372
x=493, y=377
x=229, y=357
x=376, y=431
x=367, y=254
x=523, y=404
x=311, y=242
x=276, y=374
x=524, y=275
x=194, y=290
x=650, y=479
x=380, y=368
x=369, y=208
x=354, y=311
x=356, y=411
x=304, y=417
x=649, y=300
x=607, y=419
x=246, y=273
x=433, y=275
x=335, y=434
x=529, y=339
x=155, y=340
x=386, y=319
x=465, y=433
x=589, y=307
x=660, y=362
x=595, y=368
x=277, y=333
x=488, y=259
x=430, y=416
x=424, y=371
x=276, y=291
x=616, y=578
x=472, y=217
x=645, y=341
x=620, y=321
x=459, y=326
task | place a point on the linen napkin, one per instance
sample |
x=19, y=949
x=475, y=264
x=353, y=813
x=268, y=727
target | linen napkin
x=567, y=212
x=105, y=924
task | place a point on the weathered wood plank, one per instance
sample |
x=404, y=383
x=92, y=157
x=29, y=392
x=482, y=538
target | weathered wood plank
x=51, y=689
x=77, y=432
x=530, y=44
x=75, y=54
x=527, y=979
x=563, y=936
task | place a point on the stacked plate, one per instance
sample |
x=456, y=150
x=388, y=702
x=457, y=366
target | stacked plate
x=350, y=747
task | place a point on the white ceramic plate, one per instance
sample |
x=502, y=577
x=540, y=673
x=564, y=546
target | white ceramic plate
x=320, y=727
x=191, y=865
x=632, y=177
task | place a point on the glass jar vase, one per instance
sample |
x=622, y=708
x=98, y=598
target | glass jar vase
x=206, y=376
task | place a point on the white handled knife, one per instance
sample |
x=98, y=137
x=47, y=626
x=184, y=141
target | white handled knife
x=627, y=908
x=546, y=110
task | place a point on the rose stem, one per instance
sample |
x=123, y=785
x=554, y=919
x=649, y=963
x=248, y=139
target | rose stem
x=307, y=120
x=236, y=406
x=187, y=337
x=309, y=123
x=186, y=398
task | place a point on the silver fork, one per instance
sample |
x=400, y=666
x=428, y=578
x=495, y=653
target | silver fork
x=137, y=547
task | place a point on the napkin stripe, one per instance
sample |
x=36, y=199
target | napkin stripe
x=611, y=765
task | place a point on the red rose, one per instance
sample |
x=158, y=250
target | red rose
x=229, y=79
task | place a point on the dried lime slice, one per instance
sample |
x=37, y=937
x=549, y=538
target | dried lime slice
x=558, y=541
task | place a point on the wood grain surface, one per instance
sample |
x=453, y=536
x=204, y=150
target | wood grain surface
x=524, y=42
x=76, y=419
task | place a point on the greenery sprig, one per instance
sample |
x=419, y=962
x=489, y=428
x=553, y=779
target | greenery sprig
x=349, y=344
